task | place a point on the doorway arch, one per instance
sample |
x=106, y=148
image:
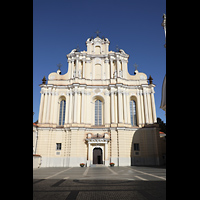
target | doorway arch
x=97, y=156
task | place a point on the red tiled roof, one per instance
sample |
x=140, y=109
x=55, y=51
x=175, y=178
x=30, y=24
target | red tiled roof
x=35, y=124
x=36, y=155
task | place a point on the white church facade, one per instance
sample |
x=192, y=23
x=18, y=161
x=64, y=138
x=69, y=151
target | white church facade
x=97, y=112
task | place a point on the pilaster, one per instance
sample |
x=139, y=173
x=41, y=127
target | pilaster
x=145, y=106
x=112, y=106
x=41, y=107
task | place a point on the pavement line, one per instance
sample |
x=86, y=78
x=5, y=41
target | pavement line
x=58, y=173
x=66, y=178
x=86, y=171
x=112, y=171
x=148, y=174
x=57, y=184
x=141, y=178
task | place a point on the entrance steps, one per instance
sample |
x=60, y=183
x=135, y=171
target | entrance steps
x=97, y=165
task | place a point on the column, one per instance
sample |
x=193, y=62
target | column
x=66, y=109
x=142, y=108
x=69, y=65
x=116, y=107
x=72, y=67
x=70, y=108
x=120, y=113
x=128, y=109
x=107, y=113
x=48, y=106
x=52, y=106
x=41, y=107
x=145, y=107
x=118, y=67
x=55, y=108
x=125, y=107
x=139, y=108
x=107, y=68
x=111, y=68
x=106, y=151
x=82, y=107
x=123, y=74
x=77, y=62
x=149, y=108
x=112, y=106
x=86, y=107
x=78, y=119
x=153, y=106
x=83, y=72
x=75, y=105
x=88, y=151
x=45, y=105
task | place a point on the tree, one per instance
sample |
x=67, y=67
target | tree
x=162, y=125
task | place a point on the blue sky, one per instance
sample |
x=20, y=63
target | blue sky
x=134, y=25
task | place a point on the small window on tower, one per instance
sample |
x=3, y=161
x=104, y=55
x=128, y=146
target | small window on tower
x=58, y=146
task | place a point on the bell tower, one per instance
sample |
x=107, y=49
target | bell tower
x=97, y=45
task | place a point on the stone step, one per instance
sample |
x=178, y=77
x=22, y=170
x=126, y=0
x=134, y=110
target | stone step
x=98, y=165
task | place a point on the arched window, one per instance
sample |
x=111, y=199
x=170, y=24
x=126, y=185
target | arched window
x=98, y=112
x=62, y=112
x=133, y=113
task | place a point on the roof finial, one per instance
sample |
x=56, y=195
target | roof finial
x=150, y=80
x=97, y=32
x=136, y=66
x=59, y=66
x=44, y=80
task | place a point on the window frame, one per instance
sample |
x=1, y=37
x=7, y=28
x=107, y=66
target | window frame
x=62, y=112
x=98, y=112
x=58, y=148
x=133, y=112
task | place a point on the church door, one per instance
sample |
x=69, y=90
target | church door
x=97, y=156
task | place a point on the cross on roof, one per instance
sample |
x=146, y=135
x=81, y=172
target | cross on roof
x=97, y=32
x=59, y=65
x=136, y=66
x=117, y=48
x=77, y=48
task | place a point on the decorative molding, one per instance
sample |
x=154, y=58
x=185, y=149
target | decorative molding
x=97, y=140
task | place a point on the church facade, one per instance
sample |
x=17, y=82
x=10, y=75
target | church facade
x=97, y=112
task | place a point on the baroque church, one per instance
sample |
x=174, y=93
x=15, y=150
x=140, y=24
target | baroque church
x=97, y=113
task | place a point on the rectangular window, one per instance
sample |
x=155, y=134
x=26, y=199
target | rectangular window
x=58, y=146
x=136, y=147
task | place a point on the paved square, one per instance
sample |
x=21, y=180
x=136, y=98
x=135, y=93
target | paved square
x=132, y=182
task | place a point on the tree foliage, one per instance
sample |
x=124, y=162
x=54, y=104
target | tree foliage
x=162, y=125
